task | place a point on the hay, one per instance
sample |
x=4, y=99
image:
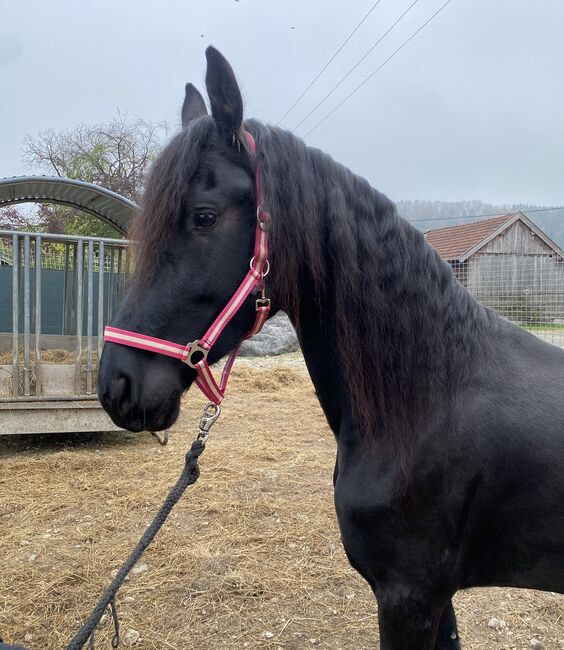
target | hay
x=251, y=556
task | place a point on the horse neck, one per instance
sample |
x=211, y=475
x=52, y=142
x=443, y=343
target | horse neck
x=393, y=325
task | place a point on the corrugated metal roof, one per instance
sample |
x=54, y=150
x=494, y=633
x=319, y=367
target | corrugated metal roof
x=108, y=206
x=452, y=242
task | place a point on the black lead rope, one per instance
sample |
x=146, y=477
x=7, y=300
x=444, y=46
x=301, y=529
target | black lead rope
x=190, y=474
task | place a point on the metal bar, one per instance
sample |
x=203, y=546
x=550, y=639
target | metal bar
x=50, y=398
x=28, y=316
x=101, y=255
x=89, y=317
x=64, y=328
x=72, y=326
x=79, y=277
x=126, y=270
x=27, y=382
x=73, y=238
x=15, y=315
x=111, y=284
x=38, y=316
x=119, y=281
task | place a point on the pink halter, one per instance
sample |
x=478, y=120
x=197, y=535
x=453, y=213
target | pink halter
x=190, y=352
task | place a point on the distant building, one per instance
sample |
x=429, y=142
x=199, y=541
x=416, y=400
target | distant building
x=508, y=263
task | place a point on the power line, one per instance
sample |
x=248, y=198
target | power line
x=355, y=66
x=480, y=216
x=330, y=60
x=377, y=69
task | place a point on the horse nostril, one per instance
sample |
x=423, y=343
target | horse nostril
x=122, y=390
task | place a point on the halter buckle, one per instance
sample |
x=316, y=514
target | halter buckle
x=262, y=302
x=263, y=218
x=193, y=348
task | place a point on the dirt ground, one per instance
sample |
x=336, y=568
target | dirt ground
x=251, y=556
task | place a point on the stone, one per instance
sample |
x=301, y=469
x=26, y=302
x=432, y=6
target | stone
x=139, y=568
x=132, y=636
x=535, y=643
x=496, y=623
x=276, y=337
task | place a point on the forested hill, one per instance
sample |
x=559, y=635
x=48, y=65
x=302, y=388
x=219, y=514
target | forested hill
x=436, y=214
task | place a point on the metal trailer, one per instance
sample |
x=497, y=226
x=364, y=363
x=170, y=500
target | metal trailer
x=56, y=294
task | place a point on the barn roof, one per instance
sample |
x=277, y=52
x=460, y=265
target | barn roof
x=458, y=243
x=108, y=206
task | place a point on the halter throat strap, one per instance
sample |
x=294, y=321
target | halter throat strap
x=196, y=352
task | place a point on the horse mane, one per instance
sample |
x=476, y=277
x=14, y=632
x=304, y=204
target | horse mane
x=164, y=195
x=406, y=327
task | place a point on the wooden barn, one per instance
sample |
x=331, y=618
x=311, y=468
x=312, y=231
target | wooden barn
x=508, y=263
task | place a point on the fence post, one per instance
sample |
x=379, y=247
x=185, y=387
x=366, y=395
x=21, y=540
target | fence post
x=15, y=315
x=38, y=316
x=79, y=277
x=27, y=387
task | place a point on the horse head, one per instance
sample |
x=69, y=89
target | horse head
x=195, y=235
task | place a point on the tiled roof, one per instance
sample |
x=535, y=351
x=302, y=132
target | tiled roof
x=452, y=242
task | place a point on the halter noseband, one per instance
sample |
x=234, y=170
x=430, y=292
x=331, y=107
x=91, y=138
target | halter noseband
x=195, y=353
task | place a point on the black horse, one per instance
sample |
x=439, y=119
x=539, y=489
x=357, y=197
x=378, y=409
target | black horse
x=449, y=420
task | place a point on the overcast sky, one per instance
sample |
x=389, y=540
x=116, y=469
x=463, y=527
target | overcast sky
x=471, y=108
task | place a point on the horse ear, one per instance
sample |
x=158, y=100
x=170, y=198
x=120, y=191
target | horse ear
x=193, y=105
x=223, y=91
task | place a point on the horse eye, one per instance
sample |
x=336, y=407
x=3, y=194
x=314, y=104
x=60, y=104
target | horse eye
x=205, y=219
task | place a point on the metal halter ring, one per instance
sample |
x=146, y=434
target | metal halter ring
x=264, y=273
x=162, y=438
x=193, y=348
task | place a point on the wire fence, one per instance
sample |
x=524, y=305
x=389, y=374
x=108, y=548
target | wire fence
x=526, y=289
x=55, y=256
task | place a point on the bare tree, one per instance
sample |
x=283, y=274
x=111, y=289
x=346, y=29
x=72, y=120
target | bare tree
x=114, y=154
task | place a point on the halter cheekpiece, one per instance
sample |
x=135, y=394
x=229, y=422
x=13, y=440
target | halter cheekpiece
x=195, y=353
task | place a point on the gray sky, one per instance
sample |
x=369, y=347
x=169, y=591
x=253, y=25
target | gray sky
x=471, y=108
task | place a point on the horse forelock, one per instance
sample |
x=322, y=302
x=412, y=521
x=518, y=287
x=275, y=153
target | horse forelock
x=165, y=193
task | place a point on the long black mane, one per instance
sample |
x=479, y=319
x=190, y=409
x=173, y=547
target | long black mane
x=406, y=327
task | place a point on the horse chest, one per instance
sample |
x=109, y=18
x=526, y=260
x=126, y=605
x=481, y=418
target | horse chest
x=389, y=535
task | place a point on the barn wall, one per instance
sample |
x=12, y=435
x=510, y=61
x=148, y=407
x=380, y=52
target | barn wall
x=518, y=275
x=518, y=239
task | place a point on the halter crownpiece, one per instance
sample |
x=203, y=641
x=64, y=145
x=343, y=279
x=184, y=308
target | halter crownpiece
x=195, y=353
